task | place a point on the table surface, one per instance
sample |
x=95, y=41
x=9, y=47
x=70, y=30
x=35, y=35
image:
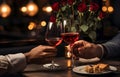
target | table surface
x=35, y=70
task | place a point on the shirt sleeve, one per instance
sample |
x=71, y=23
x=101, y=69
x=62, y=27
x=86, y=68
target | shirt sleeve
x=17, y=62
x=3, y=64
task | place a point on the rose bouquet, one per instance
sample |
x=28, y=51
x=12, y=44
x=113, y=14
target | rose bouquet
x=87, y=14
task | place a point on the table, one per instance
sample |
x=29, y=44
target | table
x=34, y=70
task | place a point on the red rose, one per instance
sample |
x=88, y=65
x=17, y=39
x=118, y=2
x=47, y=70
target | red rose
x=55, y=6
x=63, y=2
x=70, y=2
x=82, y=7
x=93, y=6
x=101, y=15
x=52, y=18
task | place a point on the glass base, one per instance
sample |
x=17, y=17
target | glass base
x=50, y=65
x=55, y=67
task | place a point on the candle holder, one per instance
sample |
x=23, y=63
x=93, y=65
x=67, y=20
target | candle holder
x=69, y=63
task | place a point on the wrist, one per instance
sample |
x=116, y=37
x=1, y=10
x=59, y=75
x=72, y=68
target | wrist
x=105, y=51
x=27, y=57
x=100, y=51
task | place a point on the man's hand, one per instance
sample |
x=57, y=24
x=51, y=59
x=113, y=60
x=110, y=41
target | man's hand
x=86, y=49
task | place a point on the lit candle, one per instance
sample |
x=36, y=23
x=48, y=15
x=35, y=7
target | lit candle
x=68, y=54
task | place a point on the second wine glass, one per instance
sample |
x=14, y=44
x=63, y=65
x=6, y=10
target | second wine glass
x=70, y=34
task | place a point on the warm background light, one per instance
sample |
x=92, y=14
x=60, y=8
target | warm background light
x=104, y=9
x=32, y=8
x=110, y=9
x=5, y=10
x=47, y=9
x=24, y=9
x=31, y=25
x=43, y=23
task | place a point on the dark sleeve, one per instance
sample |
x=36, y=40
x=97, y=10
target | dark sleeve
x=113, y=47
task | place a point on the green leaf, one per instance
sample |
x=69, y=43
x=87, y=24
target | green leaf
x=73, y=29
x=91, y=24
x=58, y=23
x=84, y=28
x=92, y=35
x=63, y=8
x=58, y=14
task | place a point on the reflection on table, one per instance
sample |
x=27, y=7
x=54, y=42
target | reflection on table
x=34, y=70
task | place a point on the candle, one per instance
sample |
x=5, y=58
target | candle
x=69, y=63
x=68, y=54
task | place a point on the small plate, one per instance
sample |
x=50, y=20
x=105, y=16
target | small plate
x=81, y=70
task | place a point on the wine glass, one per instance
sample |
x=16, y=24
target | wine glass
x=53, y=38
x=70, y=34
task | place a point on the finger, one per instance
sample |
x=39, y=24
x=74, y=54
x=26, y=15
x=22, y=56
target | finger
x=78, y=47
x=46, y=54
x=83, y=52
x=82, y=48
x=76, y=52
x=78, y=44
x=50, y=49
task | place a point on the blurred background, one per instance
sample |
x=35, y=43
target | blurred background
x=20, y=19
x=23, y=22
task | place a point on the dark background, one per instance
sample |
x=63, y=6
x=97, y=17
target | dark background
x=15, y=36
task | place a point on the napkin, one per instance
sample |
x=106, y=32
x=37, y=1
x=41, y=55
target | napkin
x=83, y=60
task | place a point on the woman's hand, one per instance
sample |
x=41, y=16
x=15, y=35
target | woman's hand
x=40, y=54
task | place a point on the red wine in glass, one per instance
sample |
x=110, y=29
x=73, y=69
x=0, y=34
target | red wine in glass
x=54, y=41
x=71, y=37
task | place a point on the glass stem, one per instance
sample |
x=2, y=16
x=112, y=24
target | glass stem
x=53, y=62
